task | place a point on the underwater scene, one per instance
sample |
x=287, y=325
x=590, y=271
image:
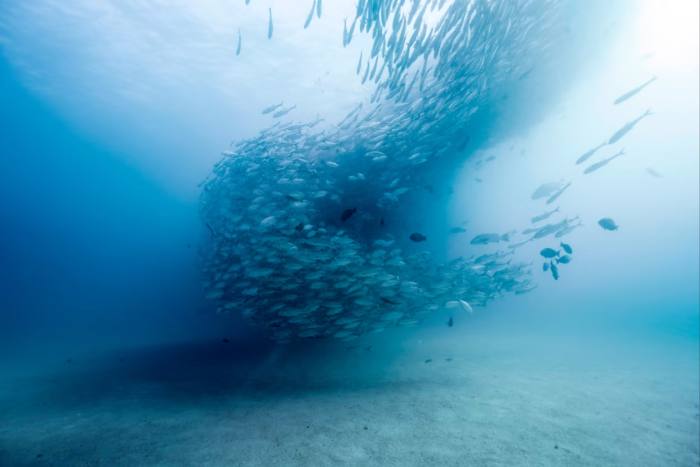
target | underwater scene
x=358, y=232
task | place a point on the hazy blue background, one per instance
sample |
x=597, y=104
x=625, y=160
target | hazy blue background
x=111, y=115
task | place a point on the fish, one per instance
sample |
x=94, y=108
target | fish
x=586, y=155
x=565, y=259
x=418, y=237
x=272, y=108
x=557, y=194
x=457, y=230
x=282, y=113
x=566, y=247
x=466, y=306
x=544, y=216
x=603, y=163
x=633, y=92
x=546, y=190
x=549, y=253
x=653, y=172
x=485, y=239
x=450, y=322
x=311, y=16
x=238, y=47
x=607, y=223
x=545, y=267
x=567, y=229
x=555, y=270
x=269, y=24
x=627, y=127
x=347, y=214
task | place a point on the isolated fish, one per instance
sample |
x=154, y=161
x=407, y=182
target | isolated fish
x=269, y=24
x=603, y=163
x=544, y=216
x=545, y=266
x=417, y=237
x=457, y=230
x=347, y=214
x=653, y=173
x=450, y=322
x=586, y=155
x=566, y=247
x=238, y=47
x=607, y=223
x=634, y=91
x=557, y=194
x=627, y=127
x=565, y=259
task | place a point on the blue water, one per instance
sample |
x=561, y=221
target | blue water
x=111, y=118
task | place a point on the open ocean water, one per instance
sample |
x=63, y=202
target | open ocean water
x=370, y=232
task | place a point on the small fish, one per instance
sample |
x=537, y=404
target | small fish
x=388, y=301
x=450, y=322
x=506, y=236
x=555, y=270
x=556, y=195
x=457, y=230
x=272, y=108
x=633, y=92
x=566, y=259
x=311, y=15
x=546, y=189
x=282, y=113
x=627, y=127
x=428, y=360
x=566, y=247
x=586, y=155
x=603, y=163
x=653, y=173
x=466, y=306
x=347, y=214
x=607, y=223
x=549, y=253
x=269, y=24
x=485, y=239
x=567, y=229
x=545, y=267
x=418, y=237
x=238, y=47
x=544, y=216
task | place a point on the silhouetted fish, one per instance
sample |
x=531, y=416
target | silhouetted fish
x=347, y=214
x=633, y=92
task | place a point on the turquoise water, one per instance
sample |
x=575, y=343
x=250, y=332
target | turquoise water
x=375, y=233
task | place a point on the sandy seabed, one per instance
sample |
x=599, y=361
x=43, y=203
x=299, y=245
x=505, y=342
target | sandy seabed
x=432, y=397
